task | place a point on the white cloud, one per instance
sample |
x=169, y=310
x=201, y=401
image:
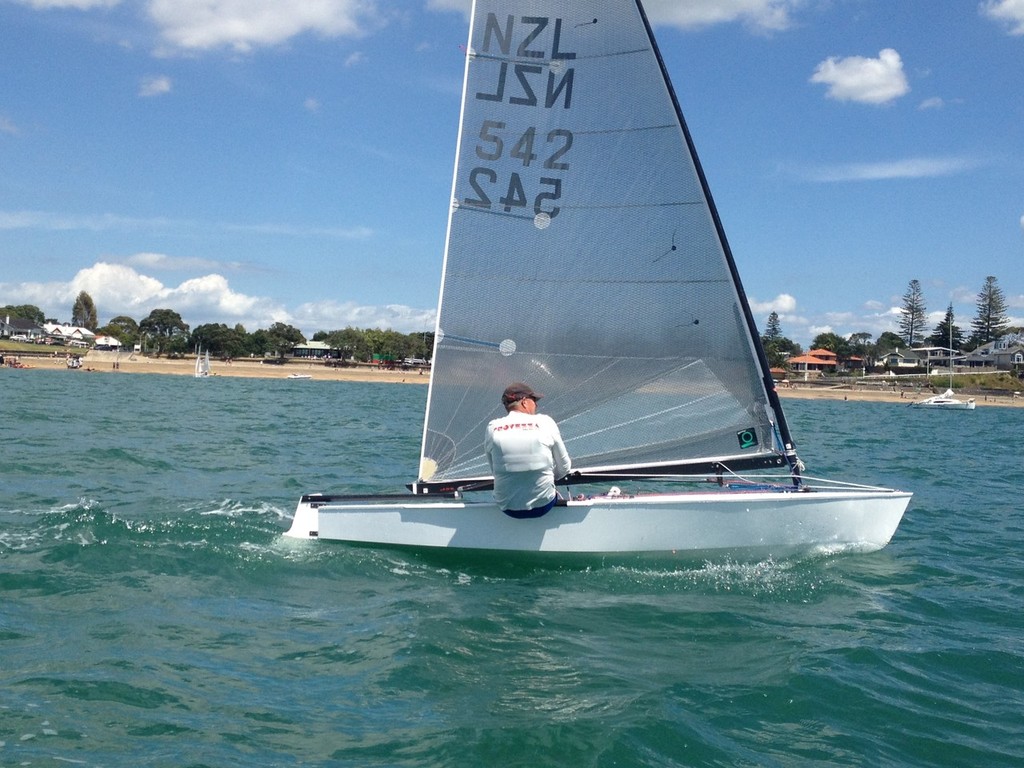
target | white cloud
x=245, y=24
x=450, y=5
x=933, y=103
x=331, y=315
x=765, y=15
x=1009, y=12
x=161, y=261
x=354, y=59
x=119, y=289
x=784, y=304
x=909, y=168
x=311, y=105
x=868, y=81
x=155, y=85
x=48, y=220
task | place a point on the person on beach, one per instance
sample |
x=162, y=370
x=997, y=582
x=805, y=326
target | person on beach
x=526, y=455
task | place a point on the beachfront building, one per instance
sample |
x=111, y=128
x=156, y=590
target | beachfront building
x=107, y=343
x=904, y=359
x=72, y=335
x=816, y=362
x=312, y=350
x=18, y=329
x=1004, y=354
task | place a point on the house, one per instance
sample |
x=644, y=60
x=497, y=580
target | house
x=816, y=361
x=311, y=350
x=18, y=329
x=936, y=357
x=108, y=343
x=66, y=334
x=908, y=358
x=1004, y=354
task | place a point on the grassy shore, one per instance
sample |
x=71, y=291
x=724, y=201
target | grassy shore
x=104, y=362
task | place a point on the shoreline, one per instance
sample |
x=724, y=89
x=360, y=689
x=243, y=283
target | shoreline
x=901, y=397
x=104, y=362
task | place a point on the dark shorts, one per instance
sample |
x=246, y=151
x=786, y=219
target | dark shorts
x=526, y=514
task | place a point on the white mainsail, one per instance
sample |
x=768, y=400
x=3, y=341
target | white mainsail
x=202, y=364
x=584, y=256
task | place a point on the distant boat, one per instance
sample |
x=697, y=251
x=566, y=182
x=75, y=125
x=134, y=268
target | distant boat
x=584, y=255
x=202, y=365
x=299, y=376
x=947, y=401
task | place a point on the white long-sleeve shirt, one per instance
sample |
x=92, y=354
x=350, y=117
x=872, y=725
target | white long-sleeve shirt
x=527, y=455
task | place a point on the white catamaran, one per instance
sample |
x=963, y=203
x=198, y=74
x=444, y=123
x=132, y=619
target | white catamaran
x=585, y=256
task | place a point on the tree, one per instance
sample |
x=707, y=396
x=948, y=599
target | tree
x=83, y=313
x=941, y=337
x=283, y=337
x=24, y=312
x=122, y=328
x=165, y=326
x=777, y=348
x=861, y=346
x=990, y=322
x=888, y=342
x=833, y=342
x=220, y=340
x=913, y=314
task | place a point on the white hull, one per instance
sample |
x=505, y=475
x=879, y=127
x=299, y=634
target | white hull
x=946, y=402
x=763, y=522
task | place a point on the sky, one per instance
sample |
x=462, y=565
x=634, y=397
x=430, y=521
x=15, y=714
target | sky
x=259, y=162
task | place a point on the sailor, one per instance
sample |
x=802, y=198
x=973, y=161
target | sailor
x=526, y=454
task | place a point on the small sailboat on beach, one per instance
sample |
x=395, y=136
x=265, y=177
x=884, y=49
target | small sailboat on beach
x=585, y=256
x=202, y=364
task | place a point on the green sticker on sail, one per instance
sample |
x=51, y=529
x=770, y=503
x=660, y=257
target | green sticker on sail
x=747, y=438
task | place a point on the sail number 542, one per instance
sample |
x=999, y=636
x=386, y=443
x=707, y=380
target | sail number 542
x=526, y=148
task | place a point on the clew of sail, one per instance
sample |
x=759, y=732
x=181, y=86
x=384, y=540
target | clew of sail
x=584, y=255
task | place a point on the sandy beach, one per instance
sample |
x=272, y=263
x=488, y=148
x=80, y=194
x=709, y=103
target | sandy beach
x=110, y=363
x=861, y=393
x=105, y=362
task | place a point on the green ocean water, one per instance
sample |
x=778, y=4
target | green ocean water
x=152, y=615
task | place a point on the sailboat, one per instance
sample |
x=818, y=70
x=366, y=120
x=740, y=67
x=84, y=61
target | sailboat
x=202, y=364
x=584, y=255
x=947, y=401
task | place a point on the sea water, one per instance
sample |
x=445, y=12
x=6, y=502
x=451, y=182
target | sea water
x=151, y=614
